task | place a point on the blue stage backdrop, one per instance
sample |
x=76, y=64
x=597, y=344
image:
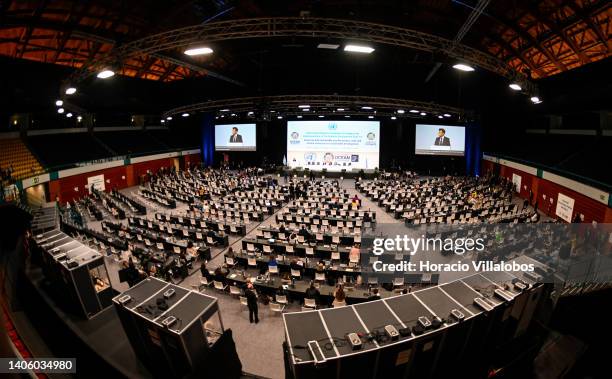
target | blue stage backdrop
x=208, y=139
x=473, y=150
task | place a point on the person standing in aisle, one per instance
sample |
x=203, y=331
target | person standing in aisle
x=252, y=303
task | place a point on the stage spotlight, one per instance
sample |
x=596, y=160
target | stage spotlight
x=535, y=100
x=59, y=103
x=358, y=49
x=79, y=118
x=321, y=116
x=69, y=115
x=60, y=110
x=515, y=87
x=340, y=109
x=163, y=121
x=224, y=110
x=366, y=108
x=198, y=51
x=70, y=91
x=423, y=114
x=440, y=116
x=414, y=111
x=446, y=115
x=400, y=111
x=304, y=106
x=370, y=116
x=279, y=117
x=299, y=116
x=169, y=118
x=328, y=46
x=393, y=118
x=463, y=67
x=105, y=74
x=185, y=115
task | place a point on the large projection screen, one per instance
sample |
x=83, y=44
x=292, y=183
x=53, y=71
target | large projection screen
x=439, y=140
x=333, y=145
x=236, y=137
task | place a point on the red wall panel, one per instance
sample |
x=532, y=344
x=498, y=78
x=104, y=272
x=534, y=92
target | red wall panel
x=591, y=209
x=142, y=167
x=527, y=180
x=114, y=177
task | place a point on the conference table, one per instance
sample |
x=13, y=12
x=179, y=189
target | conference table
x=327, y=237
x=280, y=247
x=296, y=292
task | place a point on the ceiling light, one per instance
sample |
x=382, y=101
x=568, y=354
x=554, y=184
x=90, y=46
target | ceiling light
x=60, y=110
x=347, y=116
x=198, y=51
x=400, y=111
x=515, y=87
x=358, y=49
x=59, y=103
x=163, y=121
x=393, y=118
x=279, y=117
x=250, y=113
x=299, y=116
x=446, y=115
x=233, y=114
x=340, y=109
x=169, y=118
x=440, y=116
x=185, y=115
x=304, y=106
x=68, y=114
x=370, y=116
x=535, y=100
x=70, y=91
x=366, y=108
x=414, y=111
x=106, y=74
x=321, y=116
x=79, y=118
x=330, y=46
x=305, y=109
x=224, y=110
x=423, y=114
x=272, y=111
x=463, y=67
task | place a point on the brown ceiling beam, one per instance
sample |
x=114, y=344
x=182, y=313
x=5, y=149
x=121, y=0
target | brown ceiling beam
x=552, y=25
x=524, y=35
x=517, y=54
x=167, y=73
x=146, y=66
x=587, y=18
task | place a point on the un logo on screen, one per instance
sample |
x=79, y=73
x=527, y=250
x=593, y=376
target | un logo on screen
x=332, y=126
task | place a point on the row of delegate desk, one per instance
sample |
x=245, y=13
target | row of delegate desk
x=189, y=232
x=221, y=225
x=317, y=345
x=296, y=291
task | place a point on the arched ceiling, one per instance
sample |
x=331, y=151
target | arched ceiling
x=538, y=38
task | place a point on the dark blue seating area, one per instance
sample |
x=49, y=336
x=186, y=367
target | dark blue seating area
x=67, y=148
x=131, y=142
x=173, y=139
x=582, y=158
